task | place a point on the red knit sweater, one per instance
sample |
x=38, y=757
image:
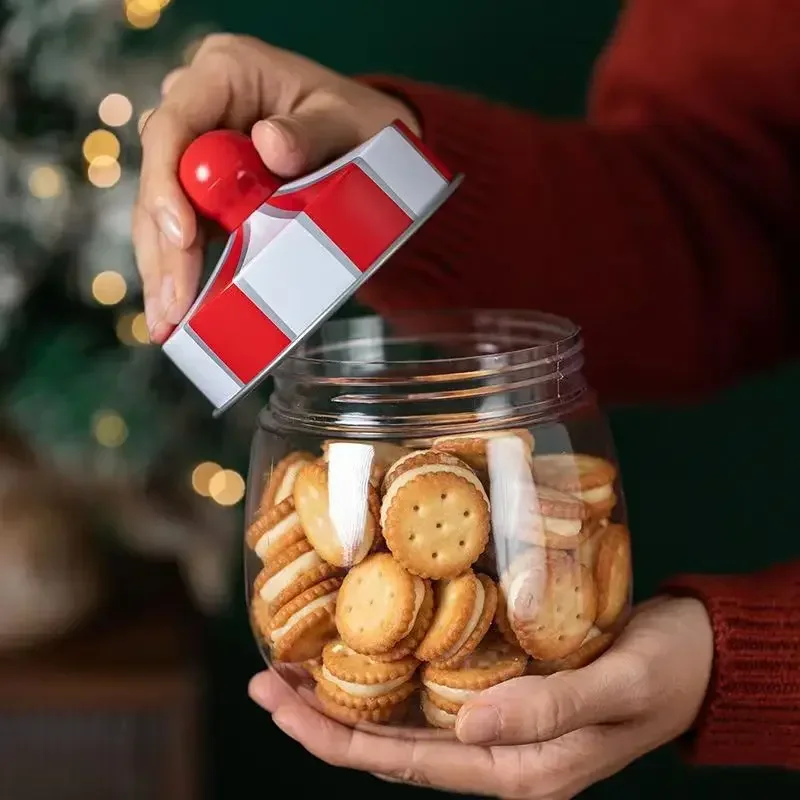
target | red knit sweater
x=668, y=227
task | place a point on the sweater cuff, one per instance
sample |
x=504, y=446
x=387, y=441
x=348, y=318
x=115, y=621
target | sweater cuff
x=751, y=715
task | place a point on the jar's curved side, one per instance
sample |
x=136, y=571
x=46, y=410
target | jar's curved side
x=391, y=572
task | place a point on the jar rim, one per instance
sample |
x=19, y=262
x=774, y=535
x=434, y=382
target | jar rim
x=549, y=335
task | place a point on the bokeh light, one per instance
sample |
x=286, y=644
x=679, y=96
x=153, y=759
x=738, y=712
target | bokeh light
x=115, y=110
x=226, y=487
x=202, y=476
x=109, y=288
x=109, y=429
x=45, y=182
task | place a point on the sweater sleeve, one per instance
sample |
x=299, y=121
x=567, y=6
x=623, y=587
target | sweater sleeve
x=665, y=225
x=752, y=711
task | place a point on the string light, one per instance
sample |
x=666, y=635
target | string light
x=226, y=487
x=132, y=329
x=104, y=172
x=101, y=144
x=115, y=110
x=142, y=14
x=109, y=288
x=109, y=429
x=45, y=182
x=202, y=475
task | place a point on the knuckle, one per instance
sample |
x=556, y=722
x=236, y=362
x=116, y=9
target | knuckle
x=215, y=42
x=554, y=709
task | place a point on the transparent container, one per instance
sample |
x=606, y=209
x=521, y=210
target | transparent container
x=434, y=507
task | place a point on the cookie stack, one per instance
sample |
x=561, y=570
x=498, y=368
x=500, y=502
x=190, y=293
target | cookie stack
x=389, y=569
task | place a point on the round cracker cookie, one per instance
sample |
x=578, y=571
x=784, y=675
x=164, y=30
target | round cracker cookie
x=494, y=661
x=282, y=478
x=472, y=447
x=290, y=572
x=342, y=535
x=345, y=664
x=563, y=519
x=436, y=520
x=415, y=459
x=378, y=604
x=587, y=549
x=276, y=529
x=473, y=634
x=588, y=477
x=300, y=629
x=552, y=610
x=612, y=574
x=391, y=698
x=593, y=646
x=354, y=716
x=502, y=622
x=408, y=644
x=436, y=716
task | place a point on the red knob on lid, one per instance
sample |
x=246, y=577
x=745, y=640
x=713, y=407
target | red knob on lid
x=225, y=178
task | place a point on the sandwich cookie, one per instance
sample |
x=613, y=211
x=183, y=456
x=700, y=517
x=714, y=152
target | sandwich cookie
x=587, y=477
x=587, y=549
x=561, y=520
x=495, y=661
x=435, y=518
x=276, y=529
x=419, y=458
x=301, y=628
x=473, y=447
x=379, y=604
x=438, y=712
x=593, y=646
x=291, y=572
x=502, y=622
x=389, y=714
x=339, y=520
x=551, y=603
x=408, y=644
x=358, y=682
x=465, y=608
x=281, y=481
x=612, y=575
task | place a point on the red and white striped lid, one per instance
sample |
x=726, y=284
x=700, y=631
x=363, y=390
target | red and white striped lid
x=297, y=252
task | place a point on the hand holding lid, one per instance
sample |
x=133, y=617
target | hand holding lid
x=224, y=177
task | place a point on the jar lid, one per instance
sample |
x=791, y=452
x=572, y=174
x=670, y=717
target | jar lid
x=296, y=252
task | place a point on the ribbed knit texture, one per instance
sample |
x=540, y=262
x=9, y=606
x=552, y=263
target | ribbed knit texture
x=667, y=227
x=752, y=711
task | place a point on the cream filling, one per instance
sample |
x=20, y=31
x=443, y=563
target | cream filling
x=597, y=495
x=428, y=469
x=438, y=715
x=562, y=527
x=419, y=596
x=474, y=619
x=363, y=689
x=280, y=580
x=320, y=602
x=287, y=483
x=275, y=533
x=448, y=693
x=397, y=464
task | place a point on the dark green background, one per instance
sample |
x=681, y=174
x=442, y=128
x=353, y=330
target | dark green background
x=708, y=488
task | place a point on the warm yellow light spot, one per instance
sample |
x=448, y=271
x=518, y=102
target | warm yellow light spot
x=101, y=143
x=45, y=182
x=142, y=14
x=108, y=288
x=139, y=329
x=132, y=329
x=226, y=487
x=109, y=429
x=202, y=476
x=115, y=110
x=104, y=172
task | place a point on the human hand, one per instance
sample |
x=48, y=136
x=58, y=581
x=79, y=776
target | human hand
x=536, y=737
x=300, y=115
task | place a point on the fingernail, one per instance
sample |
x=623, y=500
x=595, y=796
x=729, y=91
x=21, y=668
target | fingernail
x=277, y=129
x=479, y=725
x=170, y=227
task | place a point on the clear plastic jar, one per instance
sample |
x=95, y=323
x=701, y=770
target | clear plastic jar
x=434, y=507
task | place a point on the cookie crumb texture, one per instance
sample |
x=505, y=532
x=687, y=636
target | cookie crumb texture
x=404, y=586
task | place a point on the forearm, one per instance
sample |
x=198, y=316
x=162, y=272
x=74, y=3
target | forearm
x=752, y=711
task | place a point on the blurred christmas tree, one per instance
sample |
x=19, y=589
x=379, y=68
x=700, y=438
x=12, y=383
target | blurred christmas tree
x=78, y=376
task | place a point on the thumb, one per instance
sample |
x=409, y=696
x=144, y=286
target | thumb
x=538, y=709
x=317, y=131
